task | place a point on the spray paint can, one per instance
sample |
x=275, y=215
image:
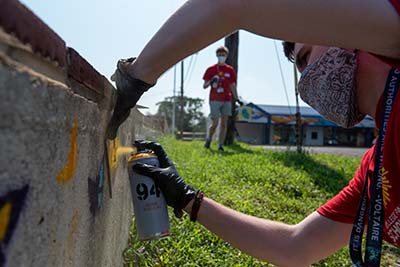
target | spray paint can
x=151, y=214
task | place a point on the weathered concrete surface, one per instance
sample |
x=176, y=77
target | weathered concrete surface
x=55, y=189
x=54, y=221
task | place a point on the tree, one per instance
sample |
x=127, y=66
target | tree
x=193, y=119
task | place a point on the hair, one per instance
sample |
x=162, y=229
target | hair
x=288, y=49
x=222, y=49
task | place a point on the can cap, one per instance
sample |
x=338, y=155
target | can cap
x=141, y=155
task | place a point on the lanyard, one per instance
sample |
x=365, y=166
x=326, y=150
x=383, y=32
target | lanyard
x=375, y=211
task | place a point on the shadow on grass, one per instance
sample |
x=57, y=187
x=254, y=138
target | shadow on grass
x=325, y=177
x=225, y=153
x=237, y=148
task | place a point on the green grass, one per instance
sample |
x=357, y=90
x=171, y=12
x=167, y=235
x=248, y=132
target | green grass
x=283, y=186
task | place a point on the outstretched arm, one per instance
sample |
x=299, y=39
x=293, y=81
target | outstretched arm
x=313, y=239
x=367, y=25
x=285, y=245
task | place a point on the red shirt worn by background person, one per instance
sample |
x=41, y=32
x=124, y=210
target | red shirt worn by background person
x=343, y=207
x=227, y=76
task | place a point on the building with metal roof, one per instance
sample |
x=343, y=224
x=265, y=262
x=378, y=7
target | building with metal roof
x=274, y=124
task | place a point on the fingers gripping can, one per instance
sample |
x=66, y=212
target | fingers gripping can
x=151, y=214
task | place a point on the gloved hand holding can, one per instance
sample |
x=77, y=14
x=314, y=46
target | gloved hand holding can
x=176, y=191
x=151, y=213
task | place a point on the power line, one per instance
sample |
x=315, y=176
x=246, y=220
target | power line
x=191, y=70
x=188, y=68
x=174, y=103
x=286, y=93
x=282, y=77
x=181, y=99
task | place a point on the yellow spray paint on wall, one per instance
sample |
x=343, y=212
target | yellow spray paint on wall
x=67, y=172
x=116, y=151
x=5, y=213
x=112, y=153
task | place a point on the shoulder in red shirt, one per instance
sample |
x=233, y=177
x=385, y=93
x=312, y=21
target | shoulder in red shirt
x=343, y=207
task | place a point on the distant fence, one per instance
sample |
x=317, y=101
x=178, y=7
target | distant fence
x=189, y=136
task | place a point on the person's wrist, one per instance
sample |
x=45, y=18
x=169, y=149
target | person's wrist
x=198, y=199
x=188, y=208
x=137, y=71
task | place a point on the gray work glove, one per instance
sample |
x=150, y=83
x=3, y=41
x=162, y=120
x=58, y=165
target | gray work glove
x=175, y=190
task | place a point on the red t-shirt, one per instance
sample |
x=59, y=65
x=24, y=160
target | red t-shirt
x=220, y=91
x=343, y=207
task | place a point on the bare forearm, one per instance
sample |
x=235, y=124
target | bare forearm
x=263, y=239
x=309, y=241
x=368, y=25
x=194, y=26
x=206, y=84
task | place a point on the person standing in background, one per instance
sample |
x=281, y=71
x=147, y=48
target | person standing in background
x=221, y=78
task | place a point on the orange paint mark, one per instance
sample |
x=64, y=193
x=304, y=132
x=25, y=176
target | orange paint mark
x=5, y=213
x=68, y=171
x=72, y=237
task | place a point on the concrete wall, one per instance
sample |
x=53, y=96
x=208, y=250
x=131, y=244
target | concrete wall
x=55, y=203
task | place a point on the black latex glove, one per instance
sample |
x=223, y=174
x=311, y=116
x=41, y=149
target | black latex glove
x=175, y=190
x=129, y=90
x=162, y=156
x=239, y=102
x=214, y=80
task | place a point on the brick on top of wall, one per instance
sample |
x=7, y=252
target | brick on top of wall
x=17, y=19
x=81, y=71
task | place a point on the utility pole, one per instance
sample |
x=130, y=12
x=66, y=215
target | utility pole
x=299, y=135
x=173, y=103
x=181, y=102
x=232, y=43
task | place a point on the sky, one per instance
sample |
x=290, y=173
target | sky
x=105, y=31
